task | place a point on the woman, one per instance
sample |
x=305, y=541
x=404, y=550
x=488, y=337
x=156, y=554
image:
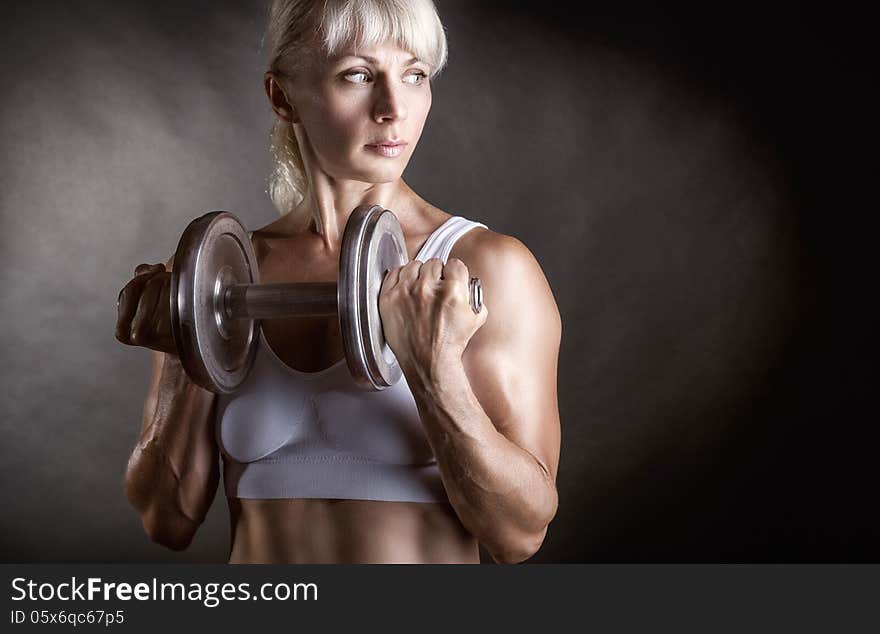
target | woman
x=464, y=449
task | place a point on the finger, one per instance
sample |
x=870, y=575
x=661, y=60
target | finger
x=431, y=270
x=126, y=307
x=124, y=314
x=456, y=281
x=409, y=273
x=391, y=279
x=142, y=324
x=456, y=271
x=148, y=268
x=162, y=316
x=142, y=274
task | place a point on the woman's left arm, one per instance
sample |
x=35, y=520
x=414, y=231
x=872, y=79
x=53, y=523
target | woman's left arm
x=490, y=411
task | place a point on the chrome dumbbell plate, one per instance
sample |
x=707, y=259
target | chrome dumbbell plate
x=213, y=253
x=373, y=243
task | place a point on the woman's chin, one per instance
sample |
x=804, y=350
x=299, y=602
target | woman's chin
x=378, y=176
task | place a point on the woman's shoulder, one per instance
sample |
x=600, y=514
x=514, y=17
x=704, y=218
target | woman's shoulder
x=485, y=245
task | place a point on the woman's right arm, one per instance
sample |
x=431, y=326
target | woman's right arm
x=173, y=472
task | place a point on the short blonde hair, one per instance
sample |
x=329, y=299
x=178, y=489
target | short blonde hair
x=296, y=27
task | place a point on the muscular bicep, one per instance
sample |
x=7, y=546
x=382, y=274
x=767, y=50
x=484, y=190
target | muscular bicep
x=511, y=362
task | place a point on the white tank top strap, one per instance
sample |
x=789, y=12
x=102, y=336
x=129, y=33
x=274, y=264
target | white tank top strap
x=439, y=244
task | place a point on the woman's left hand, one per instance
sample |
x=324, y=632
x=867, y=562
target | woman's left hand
x=426, y=316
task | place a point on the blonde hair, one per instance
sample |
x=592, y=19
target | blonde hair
x=297, y=28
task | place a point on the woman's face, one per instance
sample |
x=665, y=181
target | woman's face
x=363, y=112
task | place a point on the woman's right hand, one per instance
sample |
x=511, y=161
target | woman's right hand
x=144, y=310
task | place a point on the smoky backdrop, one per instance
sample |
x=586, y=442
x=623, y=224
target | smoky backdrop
x=673, y=171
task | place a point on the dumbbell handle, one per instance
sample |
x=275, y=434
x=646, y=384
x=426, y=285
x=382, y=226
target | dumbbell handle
x=266, y=301
x=299, y=299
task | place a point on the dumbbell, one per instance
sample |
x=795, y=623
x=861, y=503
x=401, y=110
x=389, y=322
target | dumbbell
x=217, y=300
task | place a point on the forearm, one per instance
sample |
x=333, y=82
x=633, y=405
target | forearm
x=502, y=493
x=170, y=461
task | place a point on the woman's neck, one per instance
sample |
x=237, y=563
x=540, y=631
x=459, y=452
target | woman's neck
x=328, y=210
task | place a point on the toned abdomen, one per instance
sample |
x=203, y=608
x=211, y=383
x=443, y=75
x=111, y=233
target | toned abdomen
x=347, y=531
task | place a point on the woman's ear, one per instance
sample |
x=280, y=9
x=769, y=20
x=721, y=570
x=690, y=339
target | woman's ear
x=278, y=98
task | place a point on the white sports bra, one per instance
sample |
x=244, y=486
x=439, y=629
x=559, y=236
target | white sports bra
x=291, y=434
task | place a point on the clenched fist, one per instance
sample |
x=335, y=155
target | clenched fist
x=426, y=314
x=144, y=310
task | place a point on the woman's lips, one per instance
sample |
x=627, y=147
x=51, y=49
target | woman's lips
x=388, y=150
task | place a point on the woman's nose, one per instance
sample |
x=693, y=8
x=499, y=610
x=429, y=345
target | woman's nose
x=390, y=102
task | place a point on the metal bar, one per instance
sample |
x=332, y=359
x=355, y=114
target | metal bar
x=266, y=301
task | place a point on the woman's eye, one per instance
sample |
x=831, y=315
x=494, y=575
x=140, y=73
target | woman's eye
x=361, y=77
x=419, y=78
x=356, y=77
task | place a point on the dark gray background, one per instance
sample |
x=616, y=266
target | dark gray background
x=677, y=175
